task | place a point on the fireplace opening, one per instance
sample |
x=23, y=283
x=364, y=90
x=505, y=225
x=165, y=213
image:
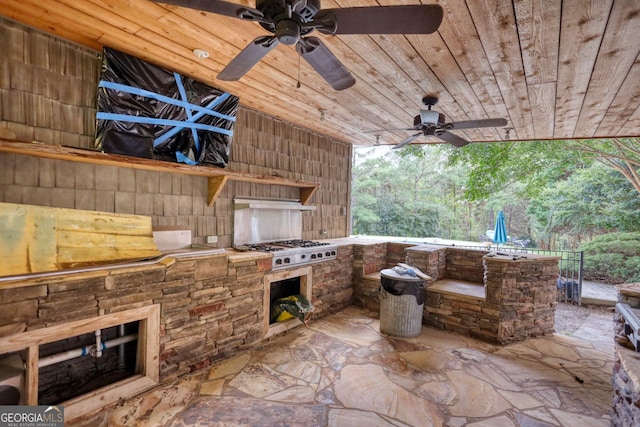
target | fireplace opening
x=282, y=284
x=282, y=289
x=80, y=364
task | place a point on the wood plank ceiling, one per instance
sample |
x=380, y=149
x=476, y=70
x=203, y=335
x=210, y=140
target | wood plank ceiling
x=555, y=69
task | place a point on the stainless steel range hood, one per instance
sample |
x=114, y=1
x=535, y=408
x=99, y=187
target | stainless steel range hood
x=280, y=204
x=267, y=220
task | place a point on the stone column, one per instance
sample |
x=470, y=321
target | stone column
x=524, y=291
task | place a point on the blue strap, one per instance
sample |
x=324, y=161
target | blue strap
x=155, y=121
x=184, y=159
x=183, y=95
x=162, y=138
x=166, y=99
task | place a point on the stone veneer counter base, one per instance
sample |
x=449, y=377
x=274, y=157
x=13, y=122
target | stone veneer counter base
x=626, y=371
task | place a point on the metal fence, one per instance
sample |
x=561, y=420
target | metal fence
x=571, y=263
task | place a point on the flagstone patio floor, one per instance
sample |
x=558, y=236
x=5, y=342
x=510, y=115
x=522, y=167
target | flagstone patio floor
x=341, y=371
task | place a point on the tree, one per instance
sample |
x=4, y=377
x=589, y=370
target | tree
x=558, y=193
x=391, y=196
x=591, y=201
x=564, y=210
x=492, y=167
x=620, y=154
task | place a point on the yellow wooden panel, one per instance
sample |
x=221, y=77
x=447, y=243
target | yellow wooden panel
x=36, y=238
x=22, y=254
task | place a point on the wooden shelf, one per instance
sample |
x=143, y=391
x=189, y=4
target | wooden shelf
x=217, y=178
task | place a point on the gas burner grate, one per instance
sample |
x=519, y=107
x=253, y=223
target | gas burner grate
x=265, y=248
x=299, y=243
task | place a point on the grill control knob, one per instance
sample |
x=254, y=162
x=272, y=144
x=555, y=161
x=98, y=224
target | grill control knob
x=327, y=253
x=287, y=260
x=278, y=261
x=303, y=256
x=320, y=255
x=333, y=252
x=313, y=256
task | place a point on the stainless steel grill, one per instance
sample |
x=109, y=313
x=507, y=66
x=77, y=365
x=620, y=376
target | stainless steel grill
x=296, y=252
x=270, y=225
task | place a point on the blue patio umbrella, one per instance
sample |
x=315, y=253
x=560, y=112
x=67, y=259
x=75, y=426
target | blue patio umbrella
x=500, y=232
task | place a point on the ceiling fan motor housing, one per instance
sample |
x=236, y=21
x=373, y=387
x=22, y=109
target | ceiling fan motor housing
x=287, y=31
x=285, y=23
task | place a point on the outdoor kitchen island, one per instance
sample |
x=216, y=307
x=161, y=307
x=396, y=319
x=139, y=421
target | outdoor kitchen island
x=211, y=307
x=192, y=311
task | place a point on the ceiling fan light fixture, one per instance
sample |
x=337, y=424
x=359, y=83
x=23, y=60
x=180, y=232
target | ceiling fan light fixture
x=200, y=53
x=429, y=117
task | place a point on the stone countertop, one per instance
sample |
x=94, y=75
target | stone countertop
x=490, y=255
x=518, y=257
x=239, y=256
x=629, y=289
x=98, y=270
x=343, y=241
x=630, y=359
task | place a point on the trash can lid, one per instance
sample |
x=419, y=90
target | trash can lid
x=391, y=274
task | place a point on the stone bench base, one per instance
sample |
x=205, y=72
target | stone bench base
x=367, y=294
x=457, y=305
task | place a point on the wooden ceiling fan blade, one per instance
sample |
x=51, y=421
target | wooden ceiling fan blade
x=219, y=7
x=482, y=123
x=406, y=141
x=407, y=19
x=452, y=139
x=325, y=63
x=248, y=57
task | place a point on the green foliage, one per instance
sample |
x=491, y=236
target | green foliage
x=556, y=193
x=613, y=257
x=493, y=167
x=389, y=197
x=591, y=201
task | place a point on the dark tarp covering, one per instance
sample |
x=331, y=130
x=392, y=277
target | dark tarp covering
x=148, y=111
x=397, y=284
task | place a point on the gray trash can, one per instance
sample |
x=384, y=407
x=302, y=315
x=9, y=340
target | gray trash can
x=401, y=302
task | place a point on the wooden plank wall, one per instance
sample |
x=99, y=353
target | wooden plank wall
x=47, y=93
x=47, y=87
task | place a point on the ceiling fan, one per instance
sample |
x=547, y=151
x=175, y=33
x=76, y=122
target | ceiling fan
x=430, y=122
x=291, y=20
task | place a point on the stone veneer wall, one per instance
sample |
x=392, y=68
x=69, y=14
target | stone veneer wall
x=524, y=293
x=625, y=410
x=432, y=263
x=370, y=259
x=465, y=264
x=210, y=306
x=367, y=259
x=520, y=295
